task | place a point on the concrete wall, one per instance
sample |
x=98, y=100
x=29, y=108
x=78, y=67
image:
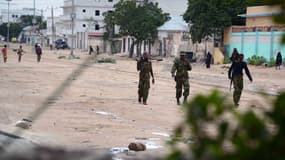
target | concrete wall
x=264, y=44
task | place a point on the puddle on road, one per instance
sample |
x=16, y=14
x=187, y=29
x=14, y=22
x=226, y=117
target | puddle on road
x=103, y=113
x=117, y=150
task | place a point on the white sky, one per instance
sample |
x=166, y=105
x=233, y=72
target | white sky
x=177, y=7
x=40, y=4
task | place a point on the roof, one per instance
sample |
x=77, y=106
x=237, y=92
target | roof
x=174, y=24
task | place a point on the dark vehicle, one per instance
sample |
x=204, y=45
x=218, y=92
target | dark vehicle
x=61, y=44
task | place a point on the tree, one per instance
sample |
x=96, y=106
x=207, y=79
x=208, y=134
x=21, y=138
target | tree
x=27, y=20
x=138, y=21
x=14, y=30
x=209, y=18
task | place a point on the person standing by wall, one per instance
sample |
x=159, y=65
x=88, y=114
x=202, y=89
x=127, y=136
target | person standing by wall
x=208, y=60
x=90, y=50
x=235, y=74
x=97, y=49
x=278, y=60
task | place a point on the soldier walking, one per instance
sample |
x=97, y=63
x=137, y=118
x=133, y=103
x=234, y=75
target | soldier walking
x=38, y=52
x=235, y=74
x=179, y=72
x=145, y=68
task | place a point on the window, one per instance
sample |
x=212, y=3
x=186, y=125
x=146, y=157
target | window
x=84, y=25
x=110, y=11
x=97, y=13
x=83, y=10
x=97, y=27
x=110, y=0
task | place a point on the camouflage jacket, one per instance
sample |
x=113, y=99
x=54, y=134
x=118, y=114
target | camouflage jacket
x=145, y=68
x=181, y=67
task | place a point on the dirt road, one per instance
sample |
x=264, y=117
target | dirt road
x=100, y=109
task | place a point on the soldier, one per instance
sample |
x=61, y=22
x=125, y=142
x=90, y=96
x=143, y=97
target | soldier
x=181, y=67
x=236, y=76
x=38, y=52
x=278, y=60
x=145, y=68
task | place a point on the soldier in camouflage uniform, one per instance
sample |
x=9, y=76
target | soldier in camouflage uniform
x=145, y=68
x=181, y=67
x=236, y=76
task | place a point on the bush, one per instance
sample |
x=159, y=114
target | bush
x=271, y=63
x=227, y=60
x=234, y=135
x=256, y=60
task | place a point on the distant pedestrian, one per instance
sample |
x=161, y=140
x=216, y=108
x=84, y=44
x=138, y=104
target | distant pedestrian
x=90, y=50
x=235, y=74
x=235, y=55
x=50, y=47
x=208, y=60
x=20, y=53
x=97, y=49
x=38, y=52
x=4, y=53
x=278, y=60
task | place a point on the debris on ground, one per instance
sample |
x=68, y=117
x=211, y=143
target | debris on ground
x=135, y=146
x=106, y=60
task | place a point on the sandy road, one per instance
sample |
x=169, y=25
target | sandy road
x=99, y=109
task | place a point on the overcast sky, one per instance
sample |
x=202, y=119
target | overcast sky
x=40, y=4
x=177, y=7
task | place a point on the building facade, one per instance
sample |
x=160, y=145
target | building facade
x=260, y=37
x=88, y=22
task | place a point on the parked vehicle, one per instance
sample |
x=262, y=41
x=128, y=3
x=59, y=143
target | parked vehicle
x=61, y=44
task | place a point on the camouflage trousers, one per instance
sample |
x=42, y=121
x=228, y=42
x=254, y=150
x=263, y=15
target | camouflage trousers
x=182, y=82
x=238, y=86
x=144, y=85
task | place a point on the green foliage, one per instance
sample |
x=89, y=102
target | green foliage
x=106, y=60
x=27, y=20
x=209, y=18
x=139, y=21
x=227, y=60
x=271, y=62
x=256, y=60
x=233, y=135
x=283, y=61
x=14, y=30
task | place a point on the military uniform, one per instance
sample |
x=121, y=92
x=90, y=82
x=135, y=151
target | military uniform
x=236, y=75
x=181, y=67
x=145, y=68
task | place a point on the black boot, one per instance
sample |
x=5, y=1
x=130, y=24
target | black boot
x=140, y=100
x=178, y=101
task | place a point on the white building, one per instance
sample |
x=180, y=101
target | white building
x=88, y=22
x=15, y=14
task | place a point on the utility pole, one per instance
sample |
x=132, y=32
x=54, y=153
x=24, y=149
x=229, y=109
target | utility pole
x=73, y=15
x=8, y=25
x=52, y=27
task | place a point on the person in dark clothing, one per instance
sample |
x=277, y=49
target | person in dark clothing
x=235, y=55
x=235, y=74
x=20, y=53
x=97, y=49
x=38, y=52
x=278, y=60
x=208, y=60
x=90, y=50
